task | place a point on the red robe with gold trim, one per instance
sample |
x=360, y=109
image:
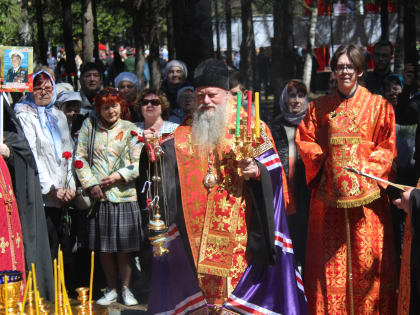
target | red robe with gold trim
x=216, y=220
x=358, y=132
x=11, y=245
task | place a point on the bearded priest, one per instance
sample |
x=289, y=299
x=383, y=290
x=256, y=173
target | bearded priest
x=229, y=246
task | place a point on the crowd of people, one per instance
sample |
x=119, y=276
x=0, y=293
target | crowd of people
x=282, y=227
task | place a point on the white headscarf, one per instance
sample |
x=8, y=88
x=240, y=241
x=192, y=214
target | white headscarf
x=127, y=76
x=175, y=63
x=293, y=118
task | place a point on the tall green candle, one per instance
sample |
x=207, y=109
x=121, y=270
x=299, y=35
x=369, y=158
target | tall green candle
x=238, y=115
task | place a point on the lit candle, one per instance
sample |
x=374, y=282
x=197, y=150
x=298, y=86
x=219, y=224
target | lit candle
x=248, y=125
x=55, y=287
x=238, y=114
x=257, y=115
x=92, y=265
x=6, y=295
x=35, y=290
x=25, y=295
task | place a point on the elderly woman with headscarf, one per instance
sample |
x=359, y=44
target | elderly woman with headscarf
x=293, y=108
x=174, y=78
x=129, y=86
x=47, y=132
x=187, y=102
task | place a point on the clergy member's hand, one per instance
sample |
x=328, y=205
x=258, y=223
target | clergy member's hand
x=111, y=180
x=96, y=192
x=4, y=150
x=403, y=202
x=149, y=134
x=249, y=168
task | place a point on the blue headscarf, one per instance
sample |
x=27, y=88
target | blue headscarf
x=48, y=121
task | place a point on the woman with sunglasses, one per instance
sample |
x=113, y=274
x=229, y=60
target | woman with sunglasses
x=48, y=134
x=115, y=226
x=154, y=112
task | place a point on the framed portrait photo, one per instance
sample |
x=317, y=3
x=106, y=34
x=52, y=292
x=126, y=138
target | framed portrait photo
x=16, y=69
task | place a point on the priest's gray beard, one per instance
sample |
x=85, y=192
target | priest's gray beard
x=208, y=125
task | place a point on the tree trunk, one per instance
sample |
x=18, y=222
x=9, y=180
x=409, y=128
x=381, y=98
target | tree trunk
x=42, y=44
x=193, y=31
x=68, y=39
x=248, y=56
x=307, y=68
x=170, y=29
x=228, y=10
x=154, y=63
x=399, y=46
x=283, y=58
x=95, y=32
x=25, y=28
x=216, y=16
x=139, y=18
x=88, y=39
x=410, y=32
x=384, y=20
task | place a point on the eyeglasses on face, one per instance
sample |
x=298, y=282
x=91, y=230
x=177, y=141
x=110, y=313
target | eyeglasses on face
x=154, y=102
x=46, y=90
x=349, y=68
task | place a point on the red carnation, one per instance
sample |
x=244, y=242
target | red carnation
x=140, y=139
x=134, y=134
x=67, y=155
x=78, y=164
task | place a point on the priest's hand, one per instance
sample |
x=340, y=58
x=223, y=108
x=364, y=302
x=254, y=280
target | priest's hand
x=4, y=151
x=96, y=192
x=403, y=202
x=111, y=180
x=250, y=168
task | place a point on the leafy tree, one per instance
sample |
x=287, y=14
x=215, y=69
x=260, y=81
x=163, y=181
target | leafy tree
x=10, y=19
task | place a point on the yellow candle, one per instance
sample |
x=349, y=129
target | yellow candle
x=6, y=297
x=35, y=290
x=92, y=266
x=25, y=295
x=257, y=115
x=55, y=287
x=66, y=301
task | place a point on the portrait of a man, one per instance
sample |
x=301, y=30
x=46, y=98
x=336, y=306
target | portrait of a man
x=17, y=73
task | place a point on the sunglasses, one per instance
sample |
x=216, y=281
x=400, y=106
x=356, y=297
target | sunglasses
x=153, y=102
x=106, y=92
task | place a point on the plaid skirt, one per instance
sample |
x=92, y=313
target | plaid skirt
x=115, y=227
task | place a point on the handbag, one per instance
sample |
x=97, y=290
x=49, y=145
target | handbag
x=83, y=201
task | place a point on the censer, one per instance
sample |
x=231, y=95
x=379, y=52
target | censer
x=158, y=218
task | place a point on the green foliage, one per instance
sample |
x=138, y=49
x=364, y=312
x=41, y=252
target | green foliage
x=10, y=19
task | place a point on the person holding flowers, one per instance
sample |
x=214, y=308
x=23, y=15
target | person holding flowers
x=115, y=226
x=48, y=135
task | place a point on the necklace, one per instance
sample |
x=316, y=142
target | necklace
x=211, y=177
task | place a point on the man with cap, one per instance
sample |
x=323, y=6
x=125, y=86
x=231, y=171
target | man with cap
x=17, y=73
x=174, y=78
x=224, y=212
x=91, y=83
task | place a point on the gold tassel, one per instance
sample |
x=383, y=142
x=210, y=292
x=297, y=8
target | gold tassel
x=356, y=203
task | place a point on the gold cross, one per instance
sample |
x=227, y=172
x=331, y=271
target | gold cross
x=3, y=245
x=18, y=240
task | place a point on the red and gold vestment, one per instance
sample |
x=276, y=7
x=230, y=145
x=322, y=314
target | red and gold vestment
x=357, y=132
x=216, y=219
